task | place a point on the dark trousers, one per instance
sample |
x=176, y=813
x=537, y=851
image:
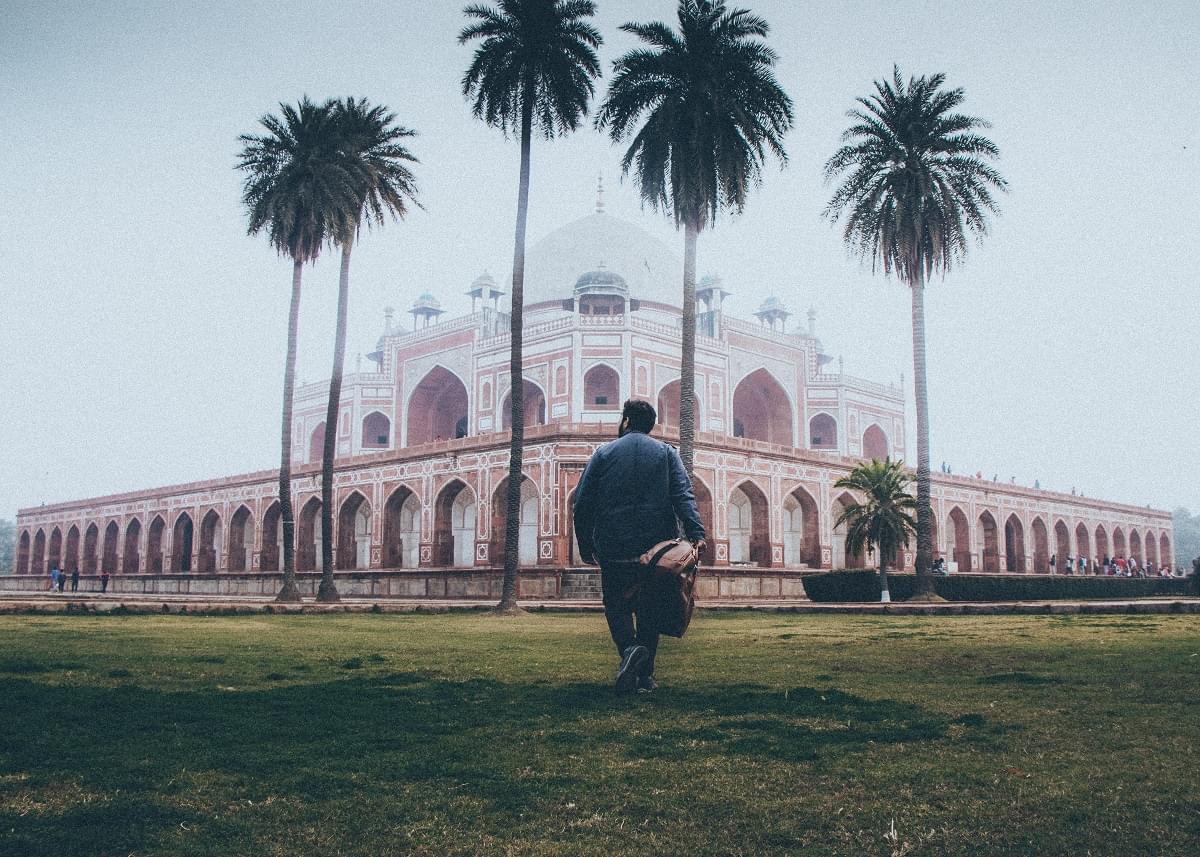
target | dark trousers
x=616, y=578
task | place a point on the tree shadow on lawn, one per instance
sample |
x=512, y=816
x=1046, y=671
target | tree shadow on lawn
x=332, y=741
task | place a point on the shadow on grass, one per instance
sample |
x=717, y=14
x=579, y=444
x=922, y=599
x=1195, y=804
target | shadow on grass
x=161, y=755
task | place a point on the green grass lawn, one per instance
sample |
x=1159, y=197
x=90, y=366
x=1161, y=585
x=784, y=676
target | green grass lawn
x=470, y=734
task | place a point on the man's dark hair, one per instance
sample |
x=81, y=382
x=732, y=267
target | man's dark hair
x=640, y=414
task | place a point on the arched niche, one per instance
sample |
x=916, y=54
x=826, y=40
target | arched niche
x=533, y=405
x=801, y=530
x=376, y=431
x=668, y=407
x=959, y=538
x=527, y=526
x=308, y=536
x=1014, y=544
x=316, y=444
x=402, y=529
x=131, y=561
x=601, y=388
x=154, y=545
x=437, y=408
x=354, y=533
x=270, y=558
x=875, y=443
x=241, y=540
x=208, y=558
x=454, y=518
x=762, y=409
x=823, y=432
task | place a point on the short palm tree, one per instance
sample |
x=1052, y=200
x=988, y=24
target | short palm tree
x=883, y=521
x=372, y=146
x=534, y=68
x=917, y=183
x=713, y=111
x=299, y=192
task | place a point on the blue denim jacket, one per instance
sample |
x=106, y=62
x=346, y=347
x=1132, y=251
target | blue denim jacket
x=631, y=495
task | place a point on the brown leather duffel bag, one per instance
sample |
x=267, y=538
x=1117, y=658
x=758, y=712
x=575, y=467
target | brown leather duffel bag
x=666, y=598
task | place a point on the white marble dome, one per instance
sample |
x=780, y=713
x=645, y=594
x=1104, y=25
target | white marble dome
x=554, y=264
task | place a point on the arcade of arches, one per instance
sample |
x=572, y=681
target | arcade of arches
x=447, y=522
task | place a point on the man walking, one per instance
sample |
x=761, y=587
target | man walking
x=634, y=494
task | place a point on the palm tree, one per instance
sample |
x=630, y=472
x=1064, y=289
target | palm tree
x=918, y=184
x=535, y=67
x=884, y=521
x=384, y=186
x=713, y=110
x=298, y=191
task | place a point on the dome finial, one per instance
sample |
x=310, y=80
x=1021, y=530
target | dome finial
x=600, y=193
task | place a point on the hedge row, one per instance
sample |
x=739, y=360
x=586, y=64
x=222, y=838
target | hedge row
x=863, y=585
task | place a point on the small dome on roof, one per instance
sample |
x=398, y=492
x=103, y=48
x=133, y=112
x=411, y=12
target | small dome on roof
x=426, y=301
x=601, y=279
x=772, y=304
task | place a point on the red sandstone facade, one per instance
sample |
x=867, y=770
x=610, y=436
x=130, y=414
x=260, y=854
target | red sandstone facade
x=422, y=444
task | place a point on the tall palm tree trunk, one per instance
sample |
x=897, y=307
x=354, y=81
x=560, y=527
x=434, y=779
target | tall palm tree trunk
x=327, y=590
x=289, y=591
x=687, y=359
x=924, y=508
x=885, y=596
x=512, y=500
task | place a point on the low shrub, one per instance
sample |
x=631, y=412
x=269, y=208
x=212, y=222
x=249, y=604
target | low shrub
x=863, y=585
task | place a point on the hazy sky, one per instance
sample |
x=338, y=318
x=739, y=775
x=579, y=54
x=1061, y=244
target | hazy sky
x=142, y=333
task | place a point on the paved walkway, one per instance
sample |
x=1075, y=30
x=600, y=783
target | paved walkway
x=95, y=602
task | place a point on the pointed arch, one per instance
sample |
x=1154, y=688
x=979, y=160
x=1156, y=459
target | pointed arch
x=668, y=406
x=54, y=549
x=211, y=535
x=823, y=432
x=131, y=560
x=762, y=409
x=989, y=542
x=437, y=408
x=38, y=557
x=749, y=525
x=308, y=535
x=533, y=402
x=601, y=388
x=71, y=554
x=241, y=539
x=527, y=527
x=454, y=518
x=23, y=546
x=1164, y=551
x=1014, y=544
x=154, y=545
x=91, y=549
x=112, y=535
x=1102, y=553
x=1041, y=546
x=1119, y=543
x=959, y=541
x=270, y=558
x=1062, y=545
x=402, y=529
x=1151, y=546
x=376, y=431
x=704, y=503
x=353, y=533
x=1135, y=546
x=801, y=530
x=875, y=443
x=1083, y=544
x=841, y=558
x=316, y=443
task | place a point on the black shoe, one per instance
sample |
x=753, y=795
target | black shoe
x=646, y=684
x=631, y=668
